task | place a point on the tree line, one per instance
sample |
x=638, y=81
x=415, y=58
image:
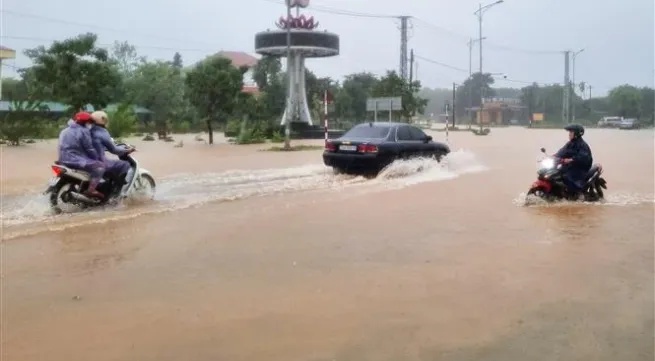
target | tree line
x=208, y=95
x=203, y=96
x=625, y=100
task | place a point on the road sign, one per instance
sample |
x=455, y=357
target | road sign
x=384, y=104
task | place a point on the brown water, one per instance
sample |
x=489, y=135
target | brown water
x=249, y=255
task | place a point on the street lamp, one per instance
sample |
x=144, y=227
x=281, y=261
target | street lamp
x=575, y=54
x=479, y=13
x=470, y=90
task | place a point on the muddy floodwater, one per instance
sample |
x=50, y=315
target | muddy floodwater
x=251, y=255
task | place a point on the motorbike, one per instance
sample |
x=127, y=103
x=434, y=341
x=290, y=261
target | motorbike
x=550, y=185
x=68, y=185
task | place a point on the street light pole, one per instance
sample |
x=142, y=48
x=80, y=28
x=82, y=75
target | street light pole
x=574, y=85
x=290, y=109
x=470, y=87
x=479, y=13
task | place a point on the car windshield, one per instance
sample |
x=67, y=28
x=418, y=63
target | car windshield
x=367, y=131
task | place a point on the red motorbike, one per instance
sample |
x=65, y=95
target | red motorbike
x=550, y=185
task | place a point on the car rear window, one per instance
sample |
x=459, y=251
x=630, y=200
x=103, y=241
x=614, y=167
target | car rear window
x=367, y=131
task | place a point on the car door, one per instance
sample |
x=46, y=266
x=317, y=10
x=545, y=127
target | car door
x=418, y=136
x=407, y=145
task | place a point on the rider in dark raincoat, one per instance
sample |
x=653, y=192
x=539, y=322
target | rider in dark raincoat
x=76, y=150
x=577, y=158
x=102, y=141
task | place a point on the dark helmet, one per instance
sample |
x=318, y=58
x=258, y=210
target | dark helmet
x=577, y=129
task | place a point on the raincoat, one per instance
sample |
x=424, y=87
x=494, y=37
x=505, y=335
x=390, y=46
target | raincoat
x=75, y=147
x=102, y=141
x=576, y=171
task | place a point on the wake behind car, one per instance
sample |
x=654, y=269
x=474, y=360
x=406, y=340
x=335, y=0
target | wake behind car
x=369, y=147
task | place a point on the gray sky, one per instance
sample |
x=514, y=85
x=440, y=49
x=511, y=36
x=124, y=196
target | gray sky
x=524, y=36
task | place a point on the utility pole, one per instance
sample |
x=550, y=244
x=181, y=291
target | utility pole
x=454, y=102
x=411, y=66
x=403, y=46
x=574, y=84
x=566, y=96
x=479, y=14
x=469, y=88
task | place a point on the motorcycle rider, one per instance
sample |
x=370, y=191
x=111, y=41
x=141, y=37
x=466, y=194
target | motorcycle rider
x=76, y=150
x=577, y=158
x=102, y=141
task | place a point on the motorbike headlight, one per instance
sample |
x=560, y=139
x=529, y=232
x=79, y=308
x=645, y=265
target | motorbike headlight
x=548, y=163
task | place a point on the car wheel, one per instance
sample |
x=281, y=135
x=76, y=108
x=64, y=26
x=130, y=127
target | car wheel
x=338, y=171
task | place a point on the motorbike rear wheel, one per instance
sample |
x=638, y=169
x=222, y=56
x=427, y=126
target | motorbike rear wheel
x=59, y=196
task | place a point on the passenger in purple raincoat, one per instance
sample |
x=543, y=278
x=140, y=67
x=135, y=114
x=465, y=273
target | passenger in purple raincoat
x=102, y=141
x=76, y=150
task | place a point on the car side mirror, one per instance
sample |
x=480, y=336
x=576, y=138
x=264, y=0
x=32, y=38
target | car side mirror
x=427, y=139
x=543, y=150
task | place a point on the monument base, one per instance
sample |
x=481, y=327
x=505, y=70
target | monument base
x=301, y=130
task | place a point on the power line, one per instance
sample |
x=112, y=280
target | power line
x=440, y=63
x=465, y=38
x=335, y=11
x=36, y=39
x=87, y=25
x=432, y=61
x=319, y=8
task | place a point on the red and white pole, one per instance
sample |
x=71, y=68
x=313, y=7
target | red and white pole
x=325, y=114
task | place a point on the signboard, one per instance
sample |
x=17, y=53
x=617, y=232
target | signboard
x=384, y=104
x=537, y=117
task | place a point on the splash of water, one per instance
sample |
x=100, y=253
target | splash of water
x=403, y=173
x=186, y=190
x=613, y=199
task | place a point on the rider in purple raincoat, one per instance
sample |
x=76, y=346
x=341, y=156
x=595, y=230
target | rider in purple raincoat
x=76, y=150
x=102, y=141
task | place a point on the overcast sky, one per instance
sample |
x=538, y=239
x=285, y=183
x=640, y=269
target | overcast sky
x=525, y=38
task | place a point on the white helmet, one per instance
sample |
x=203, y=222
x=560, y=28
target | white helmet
x=99, y=117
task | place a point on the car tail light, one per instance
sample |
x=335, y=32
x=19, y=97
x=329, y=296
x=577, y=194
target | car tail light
x=329, y=146
x=56, y=170
x=367, y=148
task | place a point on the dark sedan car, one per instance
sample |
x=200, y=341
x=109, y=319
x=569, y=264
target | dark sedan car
x=369, y=147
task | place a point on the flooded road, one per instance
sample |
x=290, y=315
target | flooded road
x=250, y=255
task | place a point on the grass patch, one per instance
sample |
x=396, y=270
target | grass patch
x=294, y=148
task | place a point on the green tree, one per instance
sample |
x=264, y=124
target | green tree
x=77, y=71
x=351, y=98
x=24, y=120
x=626, y=101
x=393, y=85
x=647, y=110
x=14, y=89
x=123, y=121
x=159, y=87
x=266, y=72
x=213, y=88
x=468, y=93
x=125, y=57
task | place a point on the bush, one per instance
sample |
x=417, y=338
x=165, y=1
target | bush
x=24, y=121
x=122, y=121
x=179, y=127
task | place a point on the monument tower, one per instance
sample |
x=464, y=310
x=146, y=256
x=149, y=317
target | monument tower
x=297, y=39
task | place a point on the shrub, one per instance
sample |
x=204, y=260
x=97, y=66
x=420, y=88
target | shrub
x=122, y=121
